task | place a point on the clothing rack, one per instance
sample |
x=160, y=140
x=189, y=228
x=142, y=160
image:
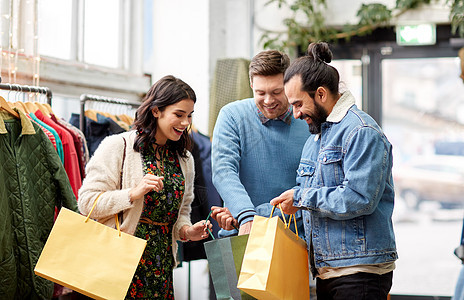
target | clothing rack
x=28, y=89
x=94, y=98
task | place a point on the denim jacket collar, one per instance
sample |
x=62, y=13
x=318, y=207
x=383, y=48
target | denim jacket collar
x=341, y=108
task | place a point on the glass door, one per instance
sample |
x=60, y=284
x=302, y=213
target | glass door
x=350, y=71
x=423, y=117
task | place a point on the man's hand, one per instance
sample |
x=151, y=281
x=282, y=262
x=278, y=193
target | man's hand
x=286, y=201
x=224, y=218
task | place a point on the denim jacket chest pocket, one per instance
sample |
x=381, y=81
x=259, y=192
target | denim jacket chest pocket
x=305, y=173
x=331, y=167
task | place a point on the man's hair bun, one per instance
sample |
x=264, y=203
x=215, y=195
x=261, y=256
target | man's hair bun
x=320, y=51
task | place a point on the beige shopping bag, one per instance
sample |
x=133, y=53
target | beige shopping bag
x=275, y=264
x=89, y=257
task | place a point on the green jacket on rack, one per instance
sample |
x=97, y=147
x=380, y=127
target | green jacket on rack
x=32, y=182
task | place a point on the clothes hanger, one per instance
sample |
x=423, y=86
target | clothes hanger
x=49, y=108
x=91, y=114
x=4, y=105
x=41, y=106
x=11, y=103
x=20, y=105
x=31, y=106
x=125, y=118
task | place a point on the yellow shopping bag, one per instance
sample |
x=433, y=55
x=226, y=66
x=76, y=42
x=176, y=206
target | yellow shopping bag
x=275, y=264
x=88, y=257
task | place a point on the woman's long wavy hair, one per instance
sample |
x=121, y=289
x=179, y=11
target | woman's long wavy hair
x=166, y=91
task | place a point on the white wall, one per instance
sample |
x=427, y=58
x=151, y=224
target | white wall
x=180, y=46
x=189, y=37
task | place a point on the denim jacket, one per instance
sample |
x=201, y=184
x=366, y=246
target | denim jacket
x=344, y=182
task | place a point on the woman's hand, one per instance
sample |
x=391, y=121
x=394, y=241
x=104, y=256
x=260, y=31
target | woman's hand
x=224, y=218
x=196, y=232
x=148, y=183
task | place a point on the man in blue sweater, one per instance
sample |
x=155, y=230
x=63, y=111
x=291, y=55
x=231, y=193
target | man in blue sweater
x=256, y=146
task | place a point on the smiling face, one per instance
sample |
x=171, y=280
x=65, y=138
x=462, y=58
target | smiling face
x=269, y=95
x=173, y=120
x=305, y=107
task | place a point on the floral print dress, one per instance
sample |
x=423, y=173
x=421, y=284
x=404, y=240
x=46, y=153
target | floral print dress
x=153, y=278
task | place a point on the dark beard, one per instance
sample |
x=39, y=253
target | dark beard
x=317, y=118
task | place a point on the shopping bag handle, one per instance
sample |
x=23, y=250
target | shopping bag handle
x=91, y=210
x=206, y=220
x=283, y=215
x=287, y=225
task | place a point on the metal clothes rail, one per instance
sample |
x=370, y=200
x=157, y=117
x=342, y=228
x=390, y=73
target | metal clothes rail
x=88, y=97
x=28, y=89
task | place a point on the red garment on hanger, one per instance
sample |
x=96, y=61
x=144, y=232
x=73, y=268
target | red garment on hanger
x=77, y=144
x=71, y=161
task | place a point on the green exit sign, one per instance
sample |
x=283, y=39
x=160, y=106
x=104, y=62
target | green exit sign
x=414, y=35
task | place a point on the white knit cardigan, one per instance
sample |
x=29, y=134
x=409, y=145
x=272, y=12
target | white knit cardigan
x=103, y=177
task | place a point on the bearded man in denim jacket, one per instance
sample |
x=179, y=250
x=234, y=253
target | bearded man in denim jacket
x=344, y=184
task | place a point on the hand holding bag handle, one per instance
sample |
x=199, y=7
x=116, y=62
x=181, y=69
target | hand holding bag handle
x=269, y=246
x=285, y=221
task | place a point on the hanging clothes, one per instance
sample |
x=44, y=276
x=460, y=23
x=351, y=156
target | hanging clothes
x=32, y=182
x=205, y=194
x=95, y=131
x=59, y=144
x=195, y=250
x=114, y=127
x=203, y=144
x=77, y=146
x=49, y=134
x=112, y=117
x=81, y=145
x=71, y=162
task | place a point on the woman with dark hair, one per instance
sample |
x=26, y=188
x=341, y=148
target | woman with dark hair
x=146, y=177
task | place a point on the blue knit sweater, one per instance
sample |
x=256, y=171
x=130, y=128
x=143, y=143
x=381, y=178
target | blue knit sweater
x=254, y=162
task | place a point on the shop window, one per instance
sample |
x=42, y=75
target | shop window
x=75, y=47
x=102, y=33
x=55, y=28
x=85, y=31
